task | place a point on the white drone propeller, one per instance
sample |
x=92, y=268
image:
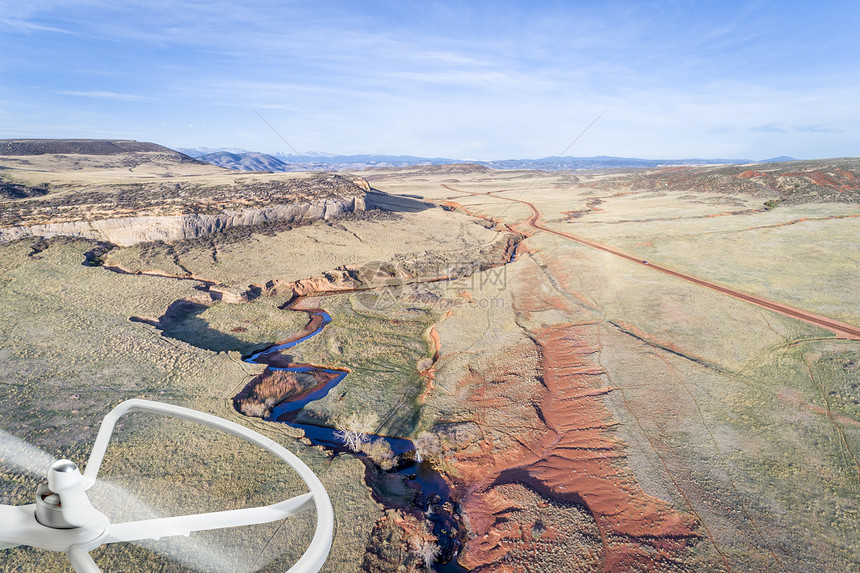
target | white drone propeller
x=63, y=519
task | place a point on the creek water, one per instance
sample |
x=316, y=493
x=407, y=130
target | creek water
x=432, y=493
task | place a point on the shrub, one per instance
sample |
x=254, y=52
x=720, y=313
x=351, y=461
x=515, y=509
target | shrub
x=428, y=445
x=380, y=452
x=254, y=408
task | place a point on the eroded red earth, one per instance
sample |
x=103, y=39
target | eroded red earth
x=558, y=441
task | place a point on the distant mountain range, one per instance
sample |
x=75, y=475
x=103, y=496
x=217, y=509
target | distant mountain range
x=312, y=161
x=243, y=160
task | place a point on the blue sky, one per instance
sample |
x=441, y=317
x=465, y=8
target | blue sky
x=483, y=80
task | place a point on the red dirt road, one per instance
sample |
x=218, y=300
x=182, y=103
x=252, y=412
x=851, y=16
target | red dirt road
x=841, y=329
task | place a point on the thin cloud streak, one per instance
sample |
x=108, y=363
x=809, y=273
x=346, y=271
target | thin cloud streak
x=106, y=95
x=32, y=26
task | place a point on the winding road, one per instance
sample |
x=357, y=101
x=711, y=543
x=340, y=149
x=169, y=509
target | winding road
x=841, y=329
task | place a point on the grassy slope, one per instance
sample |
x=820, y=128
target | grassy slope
x=742, y=426
x=70, y=353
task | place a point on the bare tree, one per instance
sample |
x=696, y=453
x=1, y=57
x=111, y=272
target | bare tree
x=352, y=439
x=354, y=430
x=426, y=551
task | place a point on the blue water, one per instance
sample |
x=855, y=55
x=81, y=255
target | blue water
x=432, y=488
x=322, y=392
x=326, y=318
x=286, y=411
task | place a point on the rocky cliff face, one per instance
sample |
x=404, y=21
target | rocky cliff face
x=126, y=231
x=128, y=192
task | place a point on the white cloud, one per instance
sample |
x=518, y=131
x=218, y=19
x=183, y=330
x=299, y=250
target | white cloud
x=24, y=25
x=106, y=95
x=521, y=83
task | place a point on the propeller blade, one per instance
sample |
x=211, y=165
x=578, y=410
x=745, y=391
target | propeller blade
x=317, y=552
x=189, y=552
x=19, y=454
x=22, y=456
x=70, y=486
x=185, y=524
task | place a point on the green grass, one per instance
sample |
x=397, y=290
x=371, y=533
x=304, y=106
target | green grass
x=382, y=349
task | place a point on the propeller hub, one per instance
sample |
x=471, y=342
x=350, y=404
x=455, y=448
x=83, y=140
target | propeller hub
x=63, y=476
x=64, y=466
x=63, y=503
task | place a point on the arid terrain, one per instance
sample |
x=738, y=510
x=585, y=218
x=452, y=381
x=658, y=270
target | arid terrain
x=698, y=431
x=627, y=370
x=128, y=192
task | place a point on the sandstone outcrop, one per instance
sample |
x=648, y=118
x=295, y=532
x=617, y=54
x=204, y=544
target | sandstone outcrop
x=126, y=231
x=128, y=192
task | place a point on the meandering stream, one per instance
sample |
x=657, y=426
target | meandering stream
x=432, y=492
x=431, y=501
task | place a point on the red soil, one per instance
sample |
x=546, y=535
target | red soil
x=568, y=453
x=749, y=174
x=429, y=373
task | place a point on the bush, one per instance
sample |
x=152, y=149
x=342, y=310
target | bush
x=380, y=452
x=428, y=445
x=254, y=408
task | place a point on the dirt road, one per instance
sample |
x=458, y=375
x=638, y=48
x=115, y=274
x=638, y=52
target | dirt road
x=841, y=329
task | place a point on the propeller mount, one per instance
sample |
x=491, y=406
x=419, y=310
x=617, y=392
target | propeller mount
x=63, y=503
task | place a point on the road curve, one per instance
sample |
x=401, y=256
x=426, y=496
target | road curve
x=841, y=329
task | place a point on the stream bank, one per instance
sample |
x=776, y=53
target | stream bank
x=411, y=485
